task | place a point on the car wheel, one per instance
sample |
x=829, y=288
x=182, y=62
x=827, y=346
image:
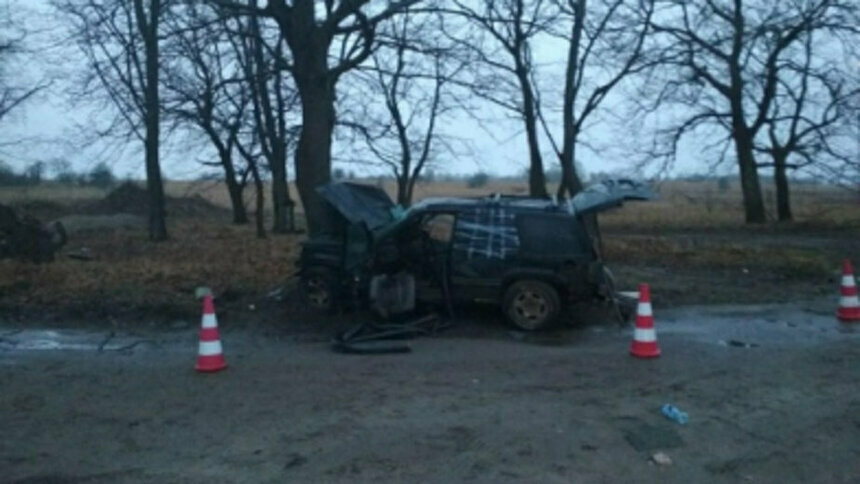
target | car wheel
x=531, y=305
x=318, y=288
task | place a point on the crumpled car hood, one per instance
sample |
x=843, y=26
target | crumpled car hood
x=360, y=204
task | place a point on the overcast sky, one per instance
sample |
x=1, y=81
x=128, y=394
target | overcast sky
x=52, y=127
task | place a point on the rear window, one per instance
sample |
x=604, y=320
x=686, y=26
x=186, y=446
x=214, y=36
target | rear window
x=546, y=235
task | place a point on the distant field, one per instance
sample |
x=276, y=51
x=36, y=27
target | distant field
x=681, y=204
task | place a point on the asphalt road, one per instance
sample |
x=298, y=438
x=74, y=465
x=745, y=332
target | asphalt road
x=772, y=392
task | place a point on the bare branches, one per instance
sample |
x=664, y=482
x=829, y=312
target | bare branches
x=11, y=97
x=12, y=44
x=410, y=74
x=814, y=102
x=742, y=53
x=607, y=43
x=120, y=41
x=505, y=72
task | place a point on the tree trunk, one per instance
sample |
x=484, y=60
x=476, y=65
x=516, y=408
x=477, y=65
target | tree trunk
x=271, y=138
x=570, y=181
x=291, y=215
x=313, y=155
x=410, y=190
x=280, y=192
x=154, y=183
x=283, y=222
x=780, y=177
x=403, y=196
x=259, y=216
x=234, y=189
x=537, y=179
x=741, y=133
x=750, y=187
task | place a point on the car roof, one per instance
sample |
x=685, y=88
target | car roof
x=458, y=204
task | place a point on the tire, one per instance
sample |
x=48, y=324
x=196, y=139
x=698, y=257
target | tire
x=531, y=305
x=318, y=289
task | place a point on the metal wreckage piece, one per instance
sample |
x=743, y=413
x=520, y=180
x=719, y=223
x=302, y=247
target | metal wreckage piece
x=26, y=238
x=393, y=298
x=380, y=338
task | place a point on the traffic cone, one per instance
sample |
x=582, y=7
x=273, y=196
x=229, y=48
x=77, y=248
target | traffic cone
x=849, y=305
x=210, y=357
x=644, y=336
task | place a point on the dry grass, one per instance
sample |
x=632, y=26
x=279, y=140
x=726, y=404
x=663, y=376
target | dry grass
x=701, y=206
x=130, y=275
x=49, y=192
x=737, y=255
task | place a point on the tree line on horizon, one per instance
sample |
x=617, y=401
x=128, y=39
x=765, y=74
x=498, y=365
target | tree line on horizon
x=269, y=86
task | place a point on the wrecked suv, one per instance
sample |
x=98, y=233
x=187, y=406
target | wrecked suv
x=531, y=256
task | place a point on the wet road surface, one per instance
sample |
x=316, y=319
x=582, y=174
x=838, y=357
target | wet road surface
x=772, y=393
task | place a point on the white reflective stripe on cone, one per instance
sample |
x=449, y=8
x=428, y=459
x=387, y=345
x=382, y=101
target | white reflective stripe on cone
x=645, y=335
x=849, y=301
x=848, y=281
x=644, y=309
x=210, y=348
x=209, y=321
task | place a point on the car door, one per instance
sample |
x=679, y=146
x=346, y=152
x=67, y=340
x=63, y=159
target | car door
x=430, y=253
x=484, y=247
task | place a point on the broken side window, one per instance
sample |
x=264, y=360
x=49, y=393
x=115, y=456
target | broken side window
x=439, y=227
x=486, y=232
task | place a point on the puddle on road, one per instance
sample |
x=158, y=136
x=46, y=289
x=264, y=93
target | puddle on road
x=755, y=327
x=67, y=340
x=559, y=337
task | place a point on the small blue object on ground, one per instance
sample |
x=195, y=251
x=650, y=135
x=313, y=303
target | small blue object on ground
x=674, y=413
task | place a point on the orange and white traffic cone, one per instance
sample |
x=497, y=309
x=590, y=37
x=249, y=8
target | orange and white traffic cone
x=210, y=356
x=849, y=305
x=644, y=336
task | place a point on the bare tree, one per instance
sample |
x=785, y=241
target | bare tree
x=120, y=40
x=812, y=102
x=252, y=159
x=605, y=45
x=726, y=60
x=316, y=32
x=512, y=26
x=207, y=89
x=272, y=99
x=410, y=72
